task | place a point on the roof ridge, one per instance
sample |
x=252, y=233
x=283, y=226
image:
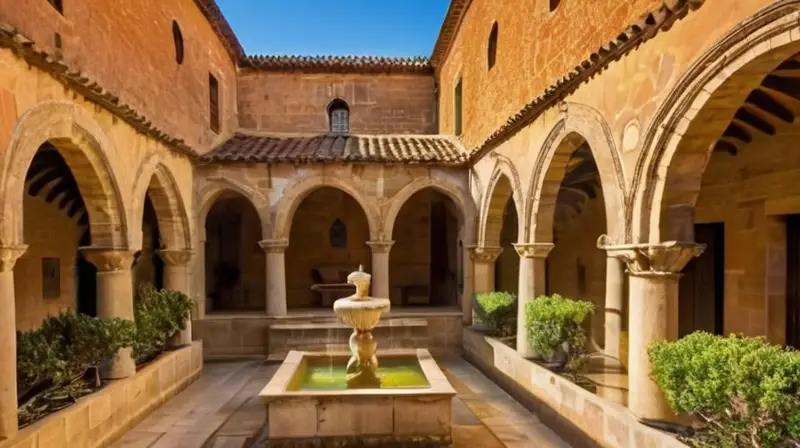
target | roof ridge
x=338, y=63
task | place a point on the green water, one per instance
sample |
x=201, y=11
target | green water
x=394, y=374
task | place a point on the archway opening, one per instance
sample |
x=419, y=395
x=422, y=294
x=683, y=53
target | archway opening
x=52, y=276
x=576, y=268
x=235, y=263
x=327, y=242
x=148, y=267
x=731, y=184
x=501, y=230
x=424, y=261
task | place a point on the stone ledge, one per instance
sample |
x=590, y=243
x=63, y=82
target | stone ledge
x=104, y=416
x=577, y=415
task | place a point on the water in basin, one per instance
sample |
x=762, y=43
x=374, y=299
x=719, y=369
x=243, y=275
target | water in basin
x=328, y=373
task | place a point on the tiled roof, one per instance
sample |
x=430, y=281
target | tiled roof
x=81, y=83
x=634, y=35
x=223, y=29
x=340, y=148
x=447, y=33
x=338, y=64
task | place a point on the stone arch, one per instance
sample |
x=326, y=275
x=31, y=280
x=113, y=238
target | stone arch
x=155, y=179
x=215, y=187
x=90, y=156
x=463, y=202
x=503, y=185
x=294, y=194
x=669, y=171
x=578, y=124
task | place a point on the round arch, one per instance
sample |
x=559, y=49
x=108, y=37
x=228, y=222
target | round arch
x=463, y=202
x=669, y=171
x=216, y=187
x=503, y=185
x=580, y=124
x=153, y=178
x=294, y=195
x=88, y=153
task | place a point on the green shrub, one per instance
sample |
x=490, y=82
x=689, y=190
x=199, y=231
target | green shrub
x=745, y=390
x=65, y=347
x=159, y=314
x=554, y=325
x=498, y=310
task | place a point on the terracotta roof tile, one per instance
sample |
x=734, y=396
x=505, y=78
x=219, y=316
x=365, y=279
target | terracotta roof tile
x=447, y=32
x=214, y=15
x=662, y=18
x=338, y=64
x=340, y=148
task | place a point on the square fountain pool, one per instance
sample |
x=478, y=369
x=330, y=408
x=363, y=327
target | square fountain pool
x=308, y=402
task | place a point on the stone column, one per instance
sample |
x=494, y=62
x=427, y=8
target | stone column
x=276, y=276
x=380, y=268
x=615, y=279
x=199, y=279
x=176, y=278
x=654, y=271
x=532, y=279
x=8, y=341
x=483, y=259
x=114, y=298
x=467, y=278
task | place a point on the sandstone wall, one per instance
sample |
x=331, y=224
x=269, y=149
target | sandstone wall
x=128, y=48
x=297, y=102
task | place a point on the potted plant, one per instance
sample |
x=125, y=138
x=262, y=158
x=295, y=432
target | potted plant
x=498, y=311
x=554, y=328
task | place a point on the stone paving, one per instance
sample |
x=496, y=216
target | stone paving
x=221, y=410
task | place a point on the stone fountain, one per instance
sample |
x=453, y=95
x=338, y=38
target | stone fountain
x=362, y=313
x=347, y=399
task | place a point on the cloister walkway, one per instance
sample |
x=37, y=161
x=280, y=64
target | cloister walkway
x=222, y=410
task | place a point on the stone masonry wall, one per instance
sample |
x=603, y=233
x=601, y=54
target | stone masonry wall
x=128, y=48
x=297, y=102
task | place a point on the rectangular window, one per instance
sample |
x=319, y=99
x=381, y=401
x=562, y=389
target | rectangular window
x=58, y=5
x=457, y=111
x=213, y=103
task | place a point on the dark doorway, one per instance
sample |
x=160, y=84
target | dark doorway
x=701, y=304
x=86, y=279
x=793, y=281
x=440, y=268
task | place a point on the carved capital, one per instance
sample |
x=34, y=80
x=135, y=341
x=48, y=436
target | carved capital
x=274, y=246
x=653, y=260
x=175, y=257
x=380, y=247
x=533, y=250
x=108, y=259
x=481, y=254
x=9, y=256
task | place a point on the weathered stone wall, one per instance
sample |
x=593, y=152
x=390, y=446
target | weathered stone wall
x=49, y=232
x=297, y=102
x=535, y=48
x=128, y=48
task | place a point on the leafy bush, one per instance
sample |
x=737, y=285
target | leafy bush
x=554, y=326
x=498, y=310
x=64, y=348
x=746, y=391
x=159, y=314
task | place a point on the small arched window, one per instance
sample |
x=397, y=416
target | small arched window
x=492, y=50
x=338, y=234
x=177, y=36
x=554, y=4
x=339, y=117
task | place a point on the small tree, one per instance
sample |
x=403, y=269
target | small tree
x=554, y=327
x=498, y=310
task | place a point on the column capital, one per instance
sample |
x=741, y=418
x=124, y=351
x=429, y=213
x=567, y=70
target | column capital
x=533, y=250
x=9, y=256
x=175, y=257
x=274, y=246
x=108, y=259
x=381, y=247
x=481, y=254
x=653, y=260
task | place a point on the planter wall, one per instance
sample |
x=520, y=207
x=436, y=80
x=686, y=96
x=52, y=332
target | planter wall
x=104, y=416
x=577, y=415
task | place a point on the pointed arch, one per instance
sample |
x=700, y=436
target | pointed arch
x=503, y=185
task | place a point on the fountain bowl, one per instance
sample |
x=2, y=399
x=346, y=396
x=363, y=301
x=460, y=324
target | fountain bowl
x=362, y=314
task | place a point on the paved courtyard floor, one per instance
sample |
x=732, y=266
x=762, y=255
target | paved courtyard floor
x=221, y=410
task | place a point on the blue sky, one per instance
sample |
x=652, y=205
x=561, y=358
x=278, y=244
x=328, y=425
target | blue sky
x=336, y=27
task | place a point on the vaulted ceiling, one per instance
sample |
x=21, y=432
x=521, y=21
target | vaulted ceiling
x=581, y=183
x=49, y=177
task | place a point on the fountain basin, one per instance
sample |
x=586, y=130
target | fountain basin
x=307, y=406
